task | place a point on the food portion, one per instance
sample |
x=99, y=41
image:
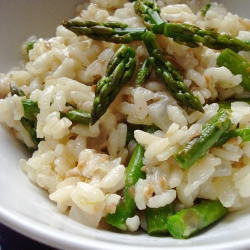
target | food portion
x=136, y=114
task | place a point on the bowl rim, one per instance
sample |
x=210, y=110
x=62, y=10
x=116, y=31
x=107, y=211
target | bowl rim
x=59, y=239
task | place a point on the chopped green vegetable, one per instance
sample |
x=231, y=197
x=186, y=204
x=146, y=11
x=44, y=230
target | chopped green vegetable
x=30, y=126
x=31, y=109
x=237, y=65
x=78, y=116
x=14, y=90
x=191, y=220
x=205, y=9
x=30, y=46
x=144, y=72
x=119, y=71
x=211, y=131
x=244, y=133
x=126, y=207
x=29, y=119
x=149, y=11
x=157, y=219
x=169, y=75
x=114, y=32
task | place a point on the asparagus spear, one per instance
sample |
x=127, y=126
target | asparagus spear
x=126, y=207
x=78, y=116
x=244, y=133
x=150, y=14
x=211, y=131
x=205, y=9
x=157, y=219
x=30, y=126
x=143, y=73
x=119, y=71
x=30, y=46
x=236, y=64
x=14, y=90
x=185, y=34
x=169, y=75
x=191, y=220
x=114, y=32
x=31, y=109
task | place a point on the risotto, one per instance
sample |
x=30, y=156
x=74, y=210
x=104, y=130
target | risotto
x=83, y=166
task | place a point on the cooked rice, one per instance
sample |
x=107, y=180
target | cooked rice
x=83, y=166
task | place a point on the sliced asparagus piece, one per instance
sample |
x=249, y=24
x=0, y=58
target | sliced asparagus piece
x=119, y=71
x=244, y=133
x=211, y=131
x=236, y=64
x=114, y=32
x=157, y=219
x=169, y=74
x=126, y=207
x=143, y=73
x=191, y=220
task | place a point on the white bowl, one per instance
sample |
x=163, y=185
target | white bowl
x=27, y=209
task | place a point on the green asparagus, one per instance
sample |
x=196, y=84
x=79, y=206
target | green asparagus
x=227, y=103
x=78, y=116
x=169, y=75
x=30, y=126
x=211, y=131
x=237, y=65
x=244, y=133
x=126, y=207
x=205, y=9
x=14, y=90
x=30, y=46
x=150, y=14
x=185, y=34
x=191, y=220
x=143, y=73
x=119, y=71
x=157, y=219
x=114, y=32
x=30, y=108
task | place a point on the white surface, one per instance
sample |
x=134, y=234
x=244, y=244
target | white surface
x=26, y=208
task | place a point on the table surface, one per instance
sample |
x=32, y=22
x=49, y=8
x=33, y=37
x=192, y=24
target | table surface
x=11, y=240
